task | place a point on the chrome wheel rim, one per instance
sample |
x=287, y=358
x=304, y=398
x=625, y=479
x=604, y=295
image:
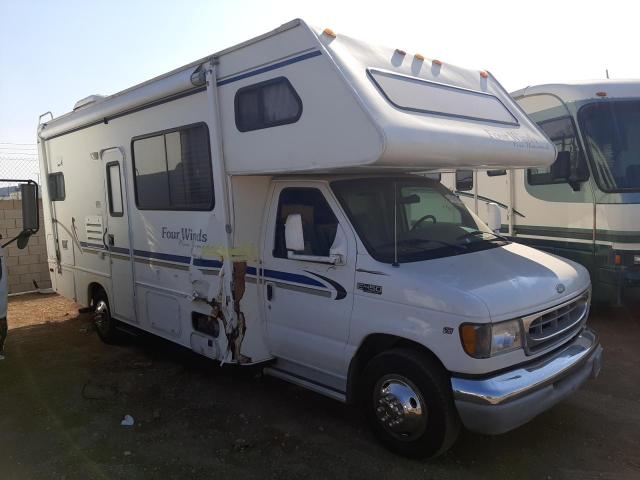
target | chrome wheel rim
x=101, y=316
x=399, y=407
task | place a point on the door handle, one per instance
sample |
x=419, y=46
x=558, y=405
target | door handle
x=111, y=239
x=269, y=291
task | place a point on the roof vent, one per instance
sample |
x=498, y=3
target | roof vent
x=86, y=101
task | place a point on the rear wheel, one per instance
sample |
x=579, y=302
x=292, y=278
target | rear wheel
x=105, y=324
x=408, y=402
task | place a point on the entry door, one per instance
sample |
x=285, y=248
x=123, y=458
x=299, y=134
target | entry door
x=117, y=235
x=308, y=304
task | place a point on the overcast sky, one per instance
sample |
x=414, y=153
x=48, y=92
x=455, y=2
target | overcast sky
x=53, y=53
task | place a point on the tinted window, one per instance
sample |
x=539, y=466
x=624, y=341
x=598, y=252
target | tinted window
x=267, y=104
x=319, y=224
x=55, y=183
x=173, y=170
x=434, y=176
x=114, y=187
x=496, y=173
x=612, y=136
x=464, y=180
x=561, y=131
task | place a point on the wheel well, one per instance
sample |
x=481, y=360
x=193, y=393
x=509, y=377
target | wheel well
x=93, y=290
x=371, y=346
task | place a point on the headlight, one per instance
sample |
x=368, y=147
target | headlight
x=487, y=340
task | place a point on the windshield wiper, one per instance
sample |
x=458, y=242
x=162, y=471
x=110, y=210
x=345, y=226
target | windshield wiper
x=417, y=241
x=475, y=233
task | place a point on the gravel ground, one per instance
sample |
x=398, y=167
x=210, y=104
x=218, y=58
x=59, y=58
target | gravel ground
x=63, y=395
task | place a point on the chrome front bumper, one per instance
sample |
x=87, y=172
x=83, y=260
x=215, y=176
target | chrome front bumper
x=505, y=401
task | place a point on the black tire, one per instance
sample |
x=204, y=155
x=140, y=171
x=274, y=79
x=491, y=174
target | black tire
x=408, y=370
x=105, y=325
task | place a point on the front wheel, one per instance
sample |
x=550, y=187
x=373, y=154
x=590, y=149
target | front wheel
x=408, y=402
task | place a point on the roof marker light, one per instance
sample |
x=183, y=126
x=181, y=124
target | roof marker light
x=400, y=52
x=419, y=57
x=484, y=74
x=329, y=33
x=436, y=62
x=601, y=94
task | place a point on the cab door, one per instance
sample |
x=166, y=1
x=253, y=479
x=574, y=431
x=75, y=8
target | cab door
x=308, y=302
x=117, y=236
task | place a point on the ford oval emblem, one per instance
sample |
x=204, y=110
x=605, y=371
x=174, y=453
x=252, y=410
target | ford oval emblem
x=560, y=288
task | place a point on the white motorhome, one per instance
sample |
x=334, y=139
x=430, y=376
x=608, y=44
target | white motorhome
x=258, y=206
x=586, y=205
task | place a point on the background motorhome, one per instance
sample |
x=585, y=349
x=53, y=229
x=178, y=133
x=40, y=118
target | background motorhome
x=586, y=205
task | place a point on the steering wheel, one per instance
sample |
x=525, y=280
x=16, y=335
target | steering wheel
x=422, y=219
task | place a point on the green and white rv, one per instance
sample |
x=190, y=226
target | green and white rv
x=586, y=205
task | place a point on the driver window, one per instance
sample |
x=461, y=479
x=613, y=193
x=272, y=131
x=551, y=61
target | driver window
x=319, y=224
x=431, y=205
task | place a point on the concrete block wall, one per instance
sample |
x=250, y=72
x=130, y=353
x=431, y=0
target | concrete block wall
x=27, y=265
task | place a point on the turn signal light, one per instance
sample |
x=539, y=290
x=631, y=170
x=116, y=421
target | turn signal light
x=469, y=341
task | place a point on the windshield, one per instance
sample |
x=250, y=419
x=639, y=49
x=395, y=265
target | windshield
x=427, y=219
x=611, y=132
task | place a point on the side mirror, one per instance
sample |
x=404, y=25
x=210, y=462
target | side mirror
x=293, y=234
x=494, y=217
x=30, y=220
x=561, y=168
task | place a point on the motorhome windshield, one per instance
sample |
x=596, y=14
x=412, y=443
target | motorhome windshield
x=412, y=219
x=611, y=132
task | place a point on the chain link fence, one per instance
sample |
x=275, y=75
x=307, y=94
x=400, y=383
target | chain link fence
x=17, y=161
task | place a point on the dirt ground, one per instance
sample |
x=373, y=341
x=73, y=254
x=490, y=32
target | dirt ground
x=63, y=394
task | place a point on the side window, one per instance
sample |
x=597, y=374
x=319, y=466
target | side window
x=562, y=132
x=496, y=173
x=319, y=224
x=55, y=183
x=173, y=170
x=267, y=104
x=434, y=176
x=464, y=180
x=114, y=189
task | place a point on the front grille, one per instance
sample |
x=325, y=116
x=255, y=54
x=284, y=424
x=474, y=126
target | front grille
x=554, y=325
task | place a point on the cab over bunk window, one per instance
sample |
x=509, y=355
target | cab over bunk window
x=267, y=104
x=55, y=183
x=319, y=223
x=173, y=170
x=464, y=180
x=562, y=132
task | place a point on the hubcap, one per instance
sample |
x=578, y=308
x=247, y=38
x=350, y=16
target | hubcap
x=399, y=407
x=101, y=315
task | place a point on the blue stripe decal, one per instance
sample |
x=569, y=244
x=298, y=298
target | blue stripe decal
x=122, y=250
x=96, y=246
x=292, y=277
x=163, y=256
x=268, y=68
x=200, y=262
